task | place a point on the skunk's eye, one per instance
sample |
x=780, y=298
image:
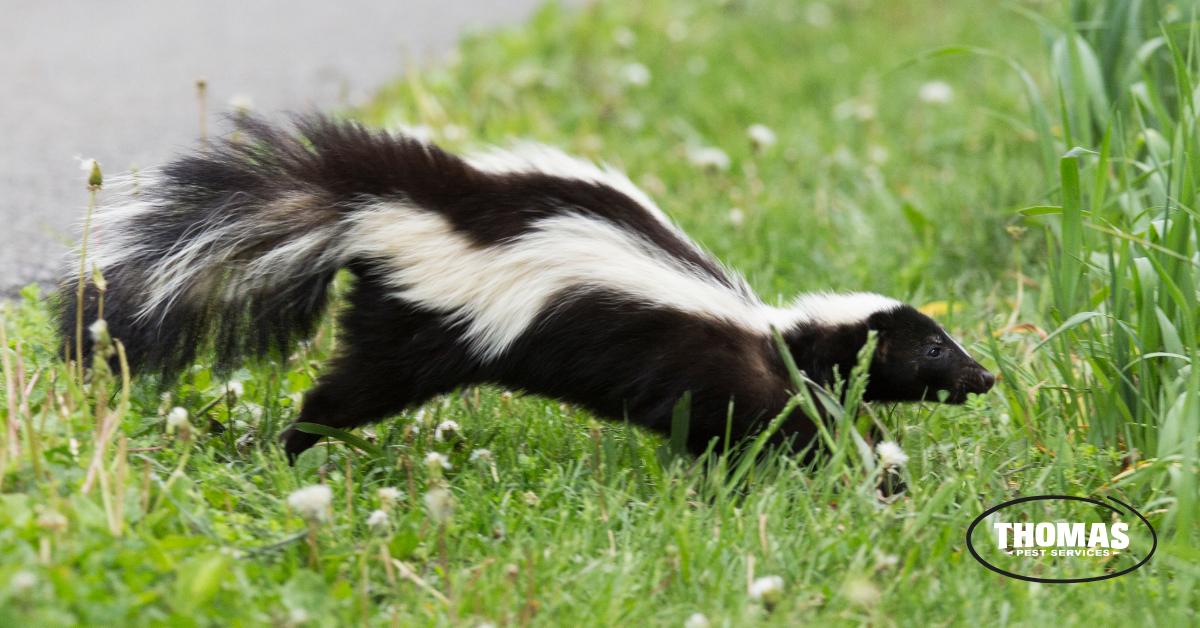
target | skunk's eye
x=933, y=352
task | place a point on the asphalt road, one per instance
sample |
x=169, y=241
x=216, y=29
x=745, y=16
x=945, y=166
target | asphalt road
x=114, y=80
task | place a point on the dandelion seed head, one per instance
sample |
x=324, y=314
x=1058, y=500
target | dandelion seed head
x=865, y=111
x=444, y=427
x=624, y=37
x=862, y=592
x=177, y=417
x=885, y=561
x=311, y=502
x=22, y=581
x=737, y=217
x=435, y=459
x=766, y=589
x=818, y=15
x=936, y=93
x=389, y=494
x=677, y=31
x=236, y=388
x=98, y=329
x=378, y=519
x=481, y=454
x=891, y=455
x=440, y=504
x=635, y=74
x=298, y=616
x=241, y=102
x=761, y=135
x=52, y=520
x=708, y=157
x=697, y=620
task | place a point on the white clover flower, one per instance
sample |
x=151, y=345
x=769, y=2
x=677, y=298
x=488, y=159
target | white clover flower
x=891, y=455
x=98, y=329
x=22, y=581
x=481, y=454
x=624, y=37
x=737, y=217
x=766, y=589
x=443, y=427
x=311, y=502
x=177, y=417
x=233, y=387
x=697, y=620
x=440, y=504
x=378, y=519
x=761, y=135
x=819, y=15
x=530, y=498
x=936, y=93
x=434, y=459
x=636, y=74
x=389, y=494
x=708, y=157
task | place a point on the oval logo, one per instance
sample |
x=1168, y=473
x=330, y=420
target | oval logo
x=1061, y=539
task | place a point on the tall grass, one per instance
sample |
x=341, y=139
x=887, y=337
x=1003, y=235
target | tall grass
x=1122, y=267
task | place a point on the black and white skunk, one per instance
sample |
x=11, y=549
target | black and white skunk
x=527, y=269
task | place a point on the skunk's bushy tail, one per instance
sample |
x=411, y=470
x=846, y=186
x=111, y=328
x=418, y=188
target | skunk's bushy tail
x=234, y=248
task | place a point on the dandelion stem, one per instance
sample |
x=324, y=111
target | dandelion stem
x=11, y=447
x=87, y=227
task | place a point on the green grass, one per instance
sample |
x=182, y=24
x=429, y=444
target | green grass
x=572, y=523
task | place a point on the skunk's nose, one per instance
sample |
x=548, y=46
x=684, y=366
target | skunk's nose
x=986, y=380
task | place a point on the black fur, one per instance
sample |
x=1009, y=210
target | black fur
x=589, y=347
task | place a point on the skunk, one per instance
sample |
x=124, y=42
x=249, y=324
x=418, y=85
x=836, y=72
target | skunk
x=528, y=269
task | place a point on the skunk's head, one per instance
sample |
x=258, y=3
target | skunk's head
x=916, y=360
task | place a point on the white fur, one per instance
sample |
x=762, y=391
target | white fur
x=497, y=292
x=830, y=309
x=531, y=157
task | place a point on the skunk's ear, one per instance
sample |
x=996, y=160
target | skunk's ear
x=881, y=322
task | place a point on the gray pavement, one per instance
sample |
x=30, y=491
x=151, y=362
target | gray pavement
x=114, y=80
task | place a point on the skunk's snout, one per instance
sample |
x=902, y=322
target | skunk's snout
x=981, y=383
